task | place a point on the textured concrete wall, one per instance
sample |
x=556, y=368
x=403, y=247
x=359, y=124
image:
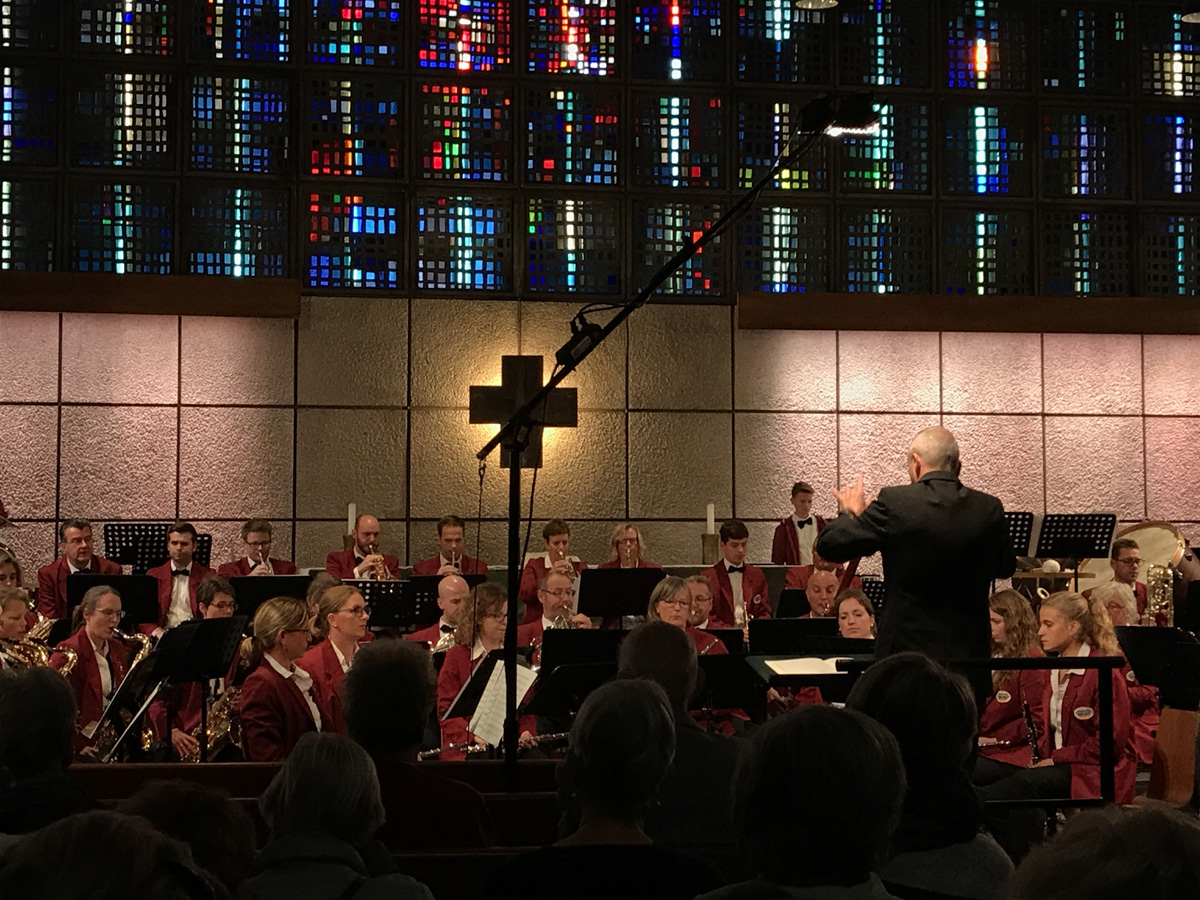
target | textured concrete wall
x=364, y=400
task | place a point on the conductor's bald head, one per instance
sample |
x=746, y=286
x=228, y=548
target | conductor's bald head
x=934, y=449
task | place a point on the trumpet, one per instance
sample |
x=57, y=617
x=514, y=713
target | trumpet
x=380, y=570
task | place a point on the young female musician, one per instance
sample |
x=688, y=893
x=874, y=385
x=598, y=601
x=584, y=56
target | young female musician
x=855, y=614
x=280, y=702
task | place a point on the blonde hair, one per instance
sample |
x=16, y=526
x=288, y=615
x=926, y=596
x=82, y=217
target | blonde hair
x=1020, y=629
x=485, y=600
x=1095, y=627
x=619, y=535
x=665, y=590
x=275, y=615
x=88, y=604
x=331, y=602
x=13, y=595
x=1108, y=589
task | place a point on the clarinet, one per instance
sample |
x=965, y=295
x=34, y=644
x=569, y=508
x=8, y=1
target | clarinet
x=1031, y=730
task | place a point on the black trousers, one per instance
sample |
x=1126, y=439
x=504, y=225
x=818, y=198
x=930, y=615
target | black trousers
x=1017, y=830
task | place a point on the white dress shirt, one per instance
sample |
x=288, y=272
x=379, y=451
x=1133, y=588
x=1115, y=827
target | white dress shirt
x=1058, y=688
x=806, y=535
x=303, y=681
x=342, y=661
x=180, y=609
x=739, y=601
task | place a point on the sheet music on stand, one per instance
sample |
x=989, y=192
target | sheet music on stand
x=1075, y=536
x=488, y=719
x=1020, y=531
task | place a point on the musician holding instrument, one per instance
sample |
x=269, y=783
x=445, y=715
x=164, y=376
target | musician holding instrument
x=450, y=559
x=341, y=623
x=1125, y=557
x=629, y=550
x=557, y=535
x=75, y=536
x=822, y=592
x=14, y=605
x=453, y=591
x=700, y=613
x=363, y=560
x=671, y=602
x=740, y=591
x=256, y=558
x=556, y=596
x=102, y=659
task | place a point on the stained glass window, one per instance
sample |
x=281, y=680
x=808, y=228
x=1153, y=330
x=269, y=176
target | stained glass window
x=1085, y=153
x=239, y=124
x=987, y=252
x=1085, y=253
x=29, y=24
x=887, y=250
x=987, y=45
x=258, y=30
x=573, y=136
x=783, y=249
x=354, y=127
x=122, y=228
x=240, y=232
x=577, y=38
x=1169, y=154
x=1171, y=254
x=465, y=35
x=896, y=158
x=987, y=149
x=466, y=132
x=354, y=239
x=464, y=243
x=766, y=128
x=660, y=230
x=28, y=116
x=679, y=40
x=27, y=226
x=1084, y=49
x=884, y=43
x=677, y=141
x=145, y=27
x=356, y=32
x=122, y=119
x=779, y=41
x=573, y=246
x=1170, y=52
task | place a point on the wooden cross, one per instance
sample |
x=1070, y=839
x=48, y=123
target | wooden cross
x=520, y=379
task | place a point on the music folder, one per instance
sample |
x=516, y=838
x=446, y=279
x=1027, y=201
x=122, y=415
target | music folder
x=793, y=603
x=613, y=593
x=139, y=595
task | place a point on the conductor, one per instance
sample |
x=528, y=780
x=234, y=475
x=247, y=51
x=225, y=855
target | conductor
x=942, y=546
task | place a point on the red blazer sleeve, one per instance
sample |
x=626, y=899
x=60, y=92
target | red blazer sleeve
x=527, y=594
x=108, y=567
x=795, y=579
x=283, y=566
x=235, y=569
x=780, y=554
x=335, y=565
x=261, y=714
x=756, y=593
x=427, y=566
x=1142, y=697
x=49, y=603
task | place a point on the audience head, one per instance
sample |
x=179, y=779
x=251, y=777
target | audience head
x=181, y=543
x=109, y=856
x=321, y=582
x=817, y=796
x=821, y=591
x=366, y=533
x=557, y=535
x=453, y=591
x=1119, y=602
x=342, y=612
x=1126, y=560
x=1114, y=853
x=702, y=599
x=37, y=721
x=99, y=613
x=665, y=654
x=77, y=542
x=670, y=602
x=14, y=605
x=451, y=531
x=856, y=614
x=10, y=569
x=934, y=449
x=929, y=709
x=215, y=598
x=627, y=543
x=327, y=786
x=256, y=539
x=387, y=697
x=622, y=743
x=219, y=833
x=556, y=592
x=735, y=537
x=484, y=616
x=1068, y=619
x=280, y=623
x=802, y=499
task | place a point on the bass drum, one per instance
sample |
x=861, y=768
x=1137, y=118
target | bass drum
x=1160, y=543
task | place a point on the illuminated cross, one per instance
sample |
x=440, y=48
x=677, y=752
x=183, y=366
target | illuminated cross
x=520, y=379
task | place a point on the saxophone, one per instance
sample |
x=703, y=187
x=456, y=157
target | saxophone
x=1160, y=594
x=106, y=735
x=224, y=726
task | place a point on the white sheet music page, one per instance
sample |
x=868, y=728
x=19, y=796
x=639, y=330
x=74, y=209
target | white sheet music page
x=809, y=665
x=488, y=721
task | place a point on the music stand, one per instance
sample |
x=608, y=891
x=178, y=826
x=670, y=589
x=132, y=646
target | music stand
x=388, y=610
x=774, y=637
x=563, y=646
x=121, y=540
x=1166, y=658
x=139, y=594
x=151, y=551
x=734, y=639
x=1075, y=536
x=615, y=593
x=560, y=693
x=418, y=604
x=251, y=591
x=137, y=682
x=793, y=603
x=469, y=695
x=1020, y=531
x=728, y=683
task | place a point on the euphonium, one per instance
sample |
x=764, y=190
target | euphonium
x=1160, y=594
x=224, y=726
x=29, y=653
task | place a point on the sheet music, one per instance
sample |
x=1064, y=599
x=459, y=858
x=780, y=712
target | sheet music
x=488, y=721
x=808, y=665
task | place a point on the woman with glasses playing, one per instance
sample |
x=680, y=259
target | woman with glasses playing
x=101, y=663
x=671, y=602
x=280, y=701
x=340, y=626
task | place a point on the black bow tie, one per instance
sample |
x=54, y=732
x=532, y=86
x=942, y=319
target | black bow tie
x=181, y=573
x=446, y=629
x=802, y=522
x=739, y=569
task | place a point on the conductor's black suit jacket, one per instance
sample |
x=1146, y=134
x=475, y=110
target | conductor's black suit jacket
x=942, y=546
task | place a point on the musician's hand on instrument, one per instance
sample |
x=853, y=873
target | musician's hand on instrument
x=988, y=741
x=90, y=751
x=480, y=742
x=368, y=564
x=184, y=743
x=579, y=620
x=563, y=567
x=449, y=569
x=526, y=740
x=261, y=569
x=851, y=498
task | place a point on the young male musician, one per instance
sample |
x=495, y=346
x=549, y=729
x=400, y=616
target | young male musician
x=740, y=590
x=796, y=534
x=450, y=559
x=178, y=579
x=361, y=559
x=256, y=559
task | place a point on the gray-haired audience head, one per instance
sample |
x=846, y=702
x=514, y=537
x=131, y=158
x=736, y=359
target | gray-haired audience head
x=937, y=449
x=665, y=654
x=622, y=743
x=387, y=697
x=1113, y=854
x=327, y=786
x=37, y=721
x=817, y=796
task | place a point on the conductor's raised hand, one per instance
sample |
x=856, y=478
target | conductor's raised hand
x=851, y=498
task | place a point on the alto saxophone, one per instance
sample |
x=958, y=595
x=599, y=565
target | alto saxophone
x=224, y=726
x=106, y=735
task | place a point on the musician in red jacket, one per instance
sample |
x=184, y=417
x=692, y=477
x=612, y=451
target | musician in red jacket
x=797, y=576
x=280, y=702
x=1121, y=605
x=629, y=550
x=101, y=660
x=450, y=559
x=740, y=590
x=700, y=615
x=556, y=594
x=795, y=535
x=453, y=591
x=557, y=535
x=340, y=625
x=359, y=561
x=75, y=535
x=178, y=579
x=256, y=558
x=671, y=602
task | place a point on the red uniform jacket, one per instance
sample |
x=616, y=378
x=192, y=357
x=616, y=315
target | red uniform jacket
x=797, y=578
x=52, y=584
x=706, y=644
x=468, y=565
x=430, y=635
x=1081, y=735
x=1144, y=713
x=454, y=674
x=341, y=563
x=785, y=546
x=322, y=664
x=535, y=570
x=85, y=678
x=196, y=574
x=275, y=715
x=240, y=568
x=1003, y=716
x=616, y=564
x=754, y=591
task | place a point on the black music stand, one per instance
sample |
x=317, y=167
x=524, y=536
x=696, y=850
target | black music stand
x=1020, y=531
x=563, y=646
x=782, y=636
x=251, y=591
x=150, y=548
x=388, y=609
x=139, y=594
x=418, y=605
x=734, y=639
x=726, y=682
x=200, y=650
x=121, y=540
x=876, y=593
x=561, y=692
x=1075, y=536
x=793, y=603
x=615, y=593
x=133, y=696
x=1168, y=659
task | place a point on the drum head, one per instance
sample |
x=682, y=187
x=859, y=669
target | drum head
x=1160, y=543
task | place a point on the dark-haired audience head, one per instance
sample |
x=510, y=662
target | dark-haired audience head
x=327, y=786
x=181, y=543
x=665, y=654
x=929, y=709
x=219, y=833
x=817, y=797
x=104, y=856
x=215, y=598
x=1113, y=854
x=37, y=721
x=622, y=743
x=387, y=697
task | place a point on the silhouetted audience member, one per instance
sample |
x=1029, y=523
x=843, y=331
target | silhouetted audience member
x=622, y=743
x=1114, y=854
x=939, y=848
x=104, y=856
x=815, y=801
x=387, y=697
x=37, y=736
x=322, y=808
x=219, y=833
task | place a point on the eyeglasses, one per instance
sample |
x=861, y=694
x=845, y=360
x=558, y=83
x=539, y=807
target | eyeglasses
x=357, y=611
x=678, y=604
x=117, y=614
x=224, y=606
x=266, y=543
x=1131, y=560
x=561, y=593
x=627, y=540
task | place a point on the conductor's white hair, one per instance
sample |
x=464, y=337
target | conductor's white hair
x=937, y=447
